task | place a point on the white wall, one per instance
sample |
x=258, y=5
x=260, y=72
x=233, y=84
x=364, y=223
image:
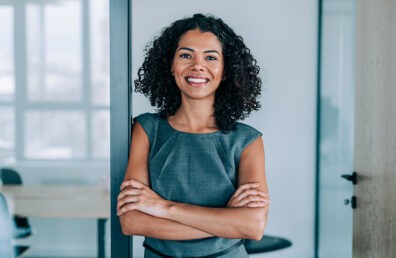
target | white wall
x=283, y=37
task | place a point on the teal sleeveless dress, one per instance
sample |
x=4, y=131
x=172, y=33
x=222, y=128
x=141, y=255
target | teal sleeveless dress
x=194, y=168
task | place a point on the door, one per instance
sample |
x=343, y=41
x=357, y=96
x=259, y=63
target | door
x=375, y=139
x=336, y=129
x=120, y=123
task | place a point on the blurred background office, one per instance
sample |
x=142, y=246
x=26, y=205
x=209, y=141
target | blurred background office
x=54, y=110
x=55, y=115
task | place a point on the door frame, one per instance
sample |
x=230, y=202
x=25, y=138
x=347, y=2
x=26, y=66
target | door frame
x=120, y=119
x=317, y=136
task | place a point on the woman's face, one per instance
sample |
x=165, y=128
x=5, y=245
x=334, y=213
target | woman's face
x=198, y=65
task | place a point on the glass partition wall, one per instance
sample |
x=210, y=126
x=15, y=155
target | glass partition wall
x=336, y=128
x=55, y=120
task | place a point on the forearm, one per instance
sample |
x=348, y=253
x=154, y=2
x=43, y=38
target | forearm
x=139, y=223
x=238, y=222
x=231, y=222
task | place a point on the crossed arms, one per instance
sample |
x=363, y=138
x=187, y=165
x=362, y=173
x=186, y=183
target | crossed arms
x=143, y=212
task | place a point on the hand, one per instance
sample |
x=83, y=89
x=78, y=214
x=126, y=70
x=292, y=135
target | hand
x=135, y=195
x=249, y=195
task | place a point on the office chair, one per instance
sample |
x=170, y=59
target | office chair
x=22, y=226
x=266, y=244
x=7, y=249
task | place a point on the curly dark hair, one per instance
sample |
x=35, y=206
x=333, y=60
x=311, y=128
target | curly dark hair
x=236, y=96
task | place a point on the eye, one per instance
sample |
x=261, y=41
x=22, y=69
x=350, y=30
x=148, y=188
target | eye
x=211, y=58
x=185, y=55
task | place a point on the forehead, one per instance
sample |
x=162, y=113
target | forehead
x=196, y=39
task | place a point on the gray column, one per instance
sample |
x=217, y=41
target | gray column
x=119, y=115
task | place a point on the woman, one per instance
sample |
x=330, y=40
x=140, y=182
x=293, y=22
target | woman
x=195, y=182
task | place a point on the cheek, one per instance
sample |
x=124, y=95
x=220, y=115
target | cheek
x=218, y=72
x=178, y=67
x=175, y=71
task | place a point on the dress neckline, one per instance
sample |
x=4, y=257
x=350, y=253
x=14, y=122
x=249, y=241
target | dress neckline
x=189, y=133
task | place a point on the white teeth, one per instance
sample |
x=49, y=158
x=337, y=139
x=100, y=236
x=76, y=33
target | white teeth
x=196, y=80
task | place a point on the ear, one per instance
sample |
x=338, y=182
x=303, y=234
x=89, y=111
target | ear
x=172, y=72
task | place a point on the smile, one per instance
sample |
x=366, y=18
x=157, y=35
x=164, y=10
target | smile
x=196, y=81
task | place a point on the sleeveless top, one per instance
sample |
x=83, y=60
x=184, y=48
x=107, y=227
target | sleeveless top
x=194, y=168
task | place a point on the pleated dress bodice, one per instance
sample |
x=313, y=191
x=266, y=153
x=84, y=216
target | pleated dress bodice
x=194, y=168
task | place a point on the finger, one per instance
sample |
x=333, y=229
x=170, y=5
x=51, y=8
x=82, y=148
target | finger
x=246, y=193
x=243, y=187
x=125, y=184
x=250, y=198
x=264, y=199
x=128, y=199
x=131, y=191
x=248, y=186
x=256, y=204
x=247, y=199
x=132, y=182
x=127, y=207
x=249, y=192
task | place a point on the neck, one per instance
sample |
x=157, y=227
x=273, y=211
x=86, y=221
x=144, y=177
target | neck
x=195, y=116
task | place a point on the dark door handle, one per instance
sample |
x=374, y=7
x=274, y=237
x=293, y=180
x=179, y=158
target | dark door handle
x=352, y=177
x=353, y=202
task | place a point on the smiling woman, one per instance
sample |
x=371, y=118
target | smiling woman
x=283, y=38
x=194, y=172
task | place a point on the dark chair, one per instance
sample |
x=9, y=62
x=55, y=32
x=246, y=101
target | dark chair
x=7, y=249
x=22, y=226
x=266, y=244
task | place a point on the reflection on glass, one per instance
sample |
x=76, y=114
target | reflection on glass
x=54, y=59
x=101, y=134
x=7, y=81
x=54, y=119
x=100, y=56
x=337, y=127
x=59, y=74
x=7, y=132
x=55, y=135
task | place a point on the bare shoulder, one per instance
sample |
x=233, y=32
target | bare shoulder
x=252, y=164
x=139, y=134
x=138, y=156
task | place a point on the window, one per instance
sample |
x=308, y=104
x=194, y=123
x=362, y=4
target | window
x=54, y=80
x=7, y=84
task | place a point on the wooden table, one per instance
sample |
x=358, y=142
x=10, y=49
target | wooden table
x=62, y=201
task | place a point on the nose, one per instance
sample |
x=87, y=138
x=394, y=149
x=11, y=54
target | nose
x=198, y=65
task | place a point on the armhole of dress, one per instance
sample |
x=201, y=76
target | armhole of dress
x=254, y=135
x=146, y=124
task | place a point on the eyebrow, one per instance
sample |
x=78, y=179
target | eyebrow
x=192, y=50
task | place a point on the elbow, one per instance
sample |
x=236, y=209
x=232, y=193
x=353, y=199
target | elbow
x=258, y=225
x=126, y=231
x=126, y=227
x=258, y=232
